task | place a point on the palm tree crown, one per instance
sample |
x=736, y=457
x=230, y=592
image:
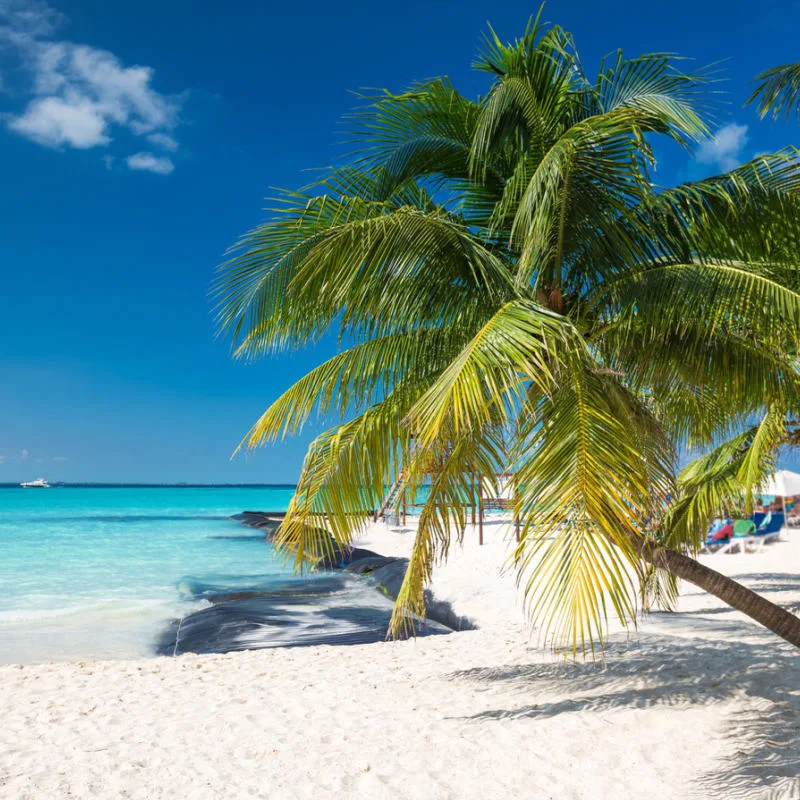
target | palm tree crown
x=523, y=296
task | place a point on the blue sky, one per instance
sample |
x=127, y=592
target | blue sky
x=138, y=140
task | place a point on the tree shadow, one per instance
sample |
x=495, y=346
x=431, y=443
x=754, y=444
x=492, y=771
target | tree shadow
x=760, y=753
x=693, y=612
x=760, y=582
x=784, y=577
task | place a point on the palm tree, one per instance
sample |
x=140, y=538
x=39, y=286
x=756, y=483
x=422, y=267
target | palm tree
x=516, y=293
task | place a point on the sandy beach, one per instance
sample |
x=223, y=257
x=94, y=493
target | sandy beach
x=701, y=703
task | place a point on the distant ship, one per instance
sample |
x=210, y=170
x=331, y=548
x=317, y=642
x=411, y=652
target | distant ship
x=39, y=483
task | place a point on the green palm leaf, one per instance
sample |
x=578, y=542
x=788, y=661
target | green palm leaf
x=778, y=91
x=596, y=467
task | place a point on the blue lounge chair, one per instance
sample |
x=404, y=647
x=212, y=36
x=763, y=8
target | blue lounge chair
x=769, y=530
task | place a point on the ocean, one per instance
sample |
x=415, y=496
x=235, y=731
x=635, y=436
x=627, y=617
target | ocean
x=88, y=572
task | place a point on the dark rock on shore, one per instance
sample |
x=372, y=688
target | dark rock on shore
x=254, y=517
x=335, y=609
x=389, y=578
x=343, y=558
x=267, y=521
x=363, y=566
x=338, y=605
x=226, y=597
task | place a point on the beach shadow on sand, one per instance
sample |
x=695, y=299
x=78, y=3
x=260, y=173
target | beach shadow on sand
x=760, y=751
x=774, y=585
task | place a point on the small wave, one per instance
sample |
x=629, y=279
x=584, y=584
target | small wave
x=37, y=615
x=108, y=611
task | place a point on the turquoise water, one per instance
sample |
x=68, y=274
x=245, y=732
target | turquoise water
x=98, y=572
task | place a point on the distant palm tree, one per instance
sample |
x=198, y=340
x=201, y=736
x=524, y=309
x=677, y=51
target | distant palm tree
x=517, y=294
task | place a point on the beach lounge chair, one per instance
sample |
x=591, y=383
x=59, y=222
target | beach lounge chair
x=768, y=531
x=743, y=529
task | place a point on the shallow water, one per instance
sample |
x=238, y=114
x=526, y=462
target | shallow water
x=100, y=572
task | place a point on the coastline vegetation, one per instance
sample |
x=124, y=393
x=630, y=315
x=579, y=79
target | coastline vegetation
x=523, y=296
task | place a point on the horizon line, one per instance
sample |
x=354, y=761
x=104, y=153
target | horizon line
x=133, y=485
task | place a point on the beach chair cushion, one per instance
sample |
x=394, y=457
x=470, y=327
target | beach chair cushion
x=722, y=534
x=744, y=527
x=716, y=525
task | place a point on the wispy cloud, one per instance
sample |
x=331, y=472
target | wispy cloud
x=164, y=141
x=32, y=18
x=161, y=165
x=80, y=96
x=60, y=458
x=725, y=149
x=23, y=456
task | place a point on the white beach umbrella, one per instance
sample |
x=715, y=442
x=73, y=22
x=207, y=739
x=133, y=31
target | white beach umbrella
x=782, y=483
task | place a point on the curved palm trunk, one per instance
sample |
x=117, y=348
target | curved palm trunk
x=771, y=616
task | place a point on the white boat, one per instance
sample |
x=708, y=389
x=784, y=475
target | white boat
x=39, y=483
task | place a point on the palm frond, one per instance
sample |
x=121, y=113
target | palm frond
x=364, y=266
x=452, y=461
x=595, y=469
x=343, y=480
x=362, y=374
x=778, y=91
x=522, y=343
x=423, y=134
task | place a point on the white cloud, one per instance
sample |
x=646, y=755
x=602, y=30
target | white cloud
x=164, y=141
x=725, y=149
x=161, y=165
x=60, y=458
x=55, y=122
x=23, y=456
x=80, y=95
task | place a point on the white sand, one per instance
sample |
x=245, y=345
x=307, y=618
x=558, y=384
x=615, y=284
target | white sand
x=697, y=704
